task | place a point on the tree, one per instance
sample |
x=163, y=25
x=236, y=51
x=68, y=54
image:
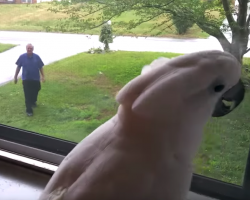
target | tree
x=207, y=14
x=106, y=36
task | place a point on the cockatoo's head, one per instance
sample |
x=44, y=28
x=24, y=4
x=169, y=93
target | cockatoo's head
x=193, y=85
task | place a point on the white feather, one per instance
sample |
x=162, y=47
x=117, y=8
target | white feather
x=146, y=69
x=158, y=62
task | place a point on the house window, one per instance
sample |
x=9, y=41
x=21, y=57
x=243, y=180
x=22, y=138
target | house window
x=26, y=1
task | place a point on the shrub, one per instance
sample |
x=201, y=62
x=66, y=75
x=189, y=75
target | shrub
x=106, y=35
x=95, y=50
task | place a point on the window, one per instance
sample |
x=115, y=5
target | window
x=26, y=1
x=78, y=96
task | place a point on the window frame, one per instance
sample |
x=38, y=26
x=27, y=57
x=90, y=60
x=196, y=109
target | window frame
x=53, y=150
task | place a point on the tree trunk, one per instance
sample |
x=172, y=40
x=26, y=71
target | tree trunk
x=237, y=50
x=106, y=45
x=238, y=46
x=239, y=28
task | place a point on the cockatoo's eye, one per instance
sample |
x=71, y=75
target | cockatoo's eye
x=219, y=88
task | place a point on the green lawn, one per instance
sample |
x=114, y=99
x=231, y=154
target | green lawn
x=5, y=47
x=76, y=98
x=20, y=17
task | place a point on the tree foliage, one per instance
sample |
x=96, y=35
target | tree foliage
x=106, y=36
x=181, y=25
x=207, y=14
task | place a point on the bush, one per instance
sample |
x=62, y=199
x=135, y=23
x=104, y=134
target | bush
x=181, y=24
x=106, y=36
x=95, y=50
x=98, y=50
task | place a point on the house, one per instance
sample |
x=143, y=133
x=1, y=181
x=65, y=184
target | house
x=17, y=1
x=23, y=1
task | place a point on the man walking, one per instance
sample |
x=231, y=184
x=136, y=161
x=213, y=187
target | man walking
x=32, y=67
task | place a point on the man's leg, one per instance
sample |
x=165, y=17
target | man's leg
x=36, y=89
x=27, y=88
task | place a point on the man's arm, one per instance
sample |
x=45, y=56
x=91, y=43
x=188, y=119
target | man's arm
x=42, y=74
x=16, y=74
x=19, y=64
x=41, y=64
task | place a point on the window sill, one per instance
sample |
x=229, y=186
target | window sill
x=19, y=183
x=31, y=163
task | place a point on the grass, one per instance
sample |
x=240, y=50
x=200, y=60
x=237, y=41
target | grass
x=78, y=96
x=5, y=47
x=18, y=17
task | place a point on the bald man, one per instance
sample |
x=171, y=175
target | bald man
x=32, y=67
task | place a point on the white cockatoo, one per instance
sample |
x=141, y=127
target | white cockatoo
x=145, y=151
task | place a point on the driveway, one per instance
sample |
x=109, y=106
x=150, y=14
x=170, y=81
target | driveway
x=55, y=46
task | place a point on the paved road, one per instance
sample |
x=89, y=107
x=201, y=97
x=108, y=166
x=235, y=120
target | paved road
x=55, y=46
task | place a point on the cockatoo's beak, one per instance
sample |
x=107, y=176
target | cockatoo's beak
x=230, y=100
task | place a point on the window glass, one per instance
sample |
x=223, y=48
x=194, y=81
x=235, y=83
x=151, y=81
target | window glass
x=223, y=152
x=78, y=94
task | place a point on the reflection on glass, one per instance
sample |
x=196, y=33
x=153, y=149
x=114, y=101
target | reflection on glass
x=79, y=91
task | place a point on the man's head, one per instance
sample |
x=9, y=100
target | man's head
x=192, y=85
x=29, y=48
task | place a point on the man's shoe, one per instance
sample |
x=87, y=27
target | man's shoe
x=29, y=114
